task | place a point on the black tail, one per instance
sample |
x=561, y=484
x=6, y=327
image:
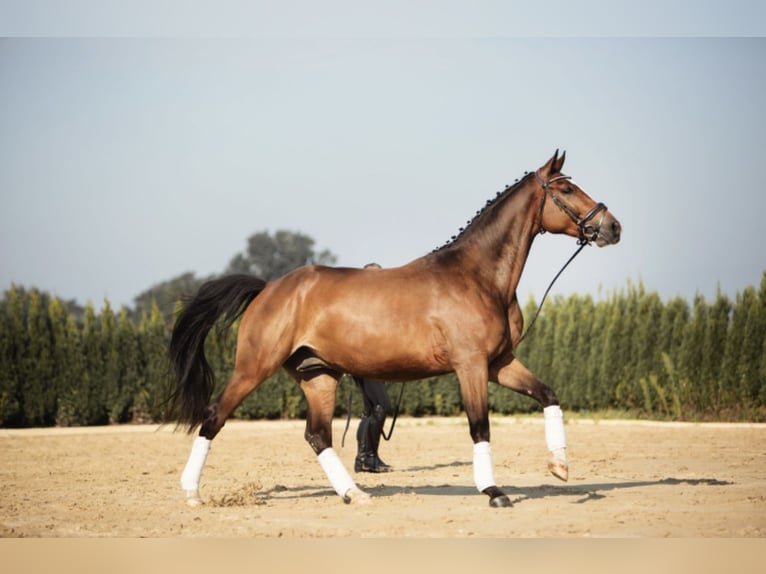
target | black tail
x=226, y=297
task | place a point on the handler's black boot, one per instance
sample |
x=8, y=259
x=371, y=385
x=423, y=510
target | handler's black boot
x=368, y=441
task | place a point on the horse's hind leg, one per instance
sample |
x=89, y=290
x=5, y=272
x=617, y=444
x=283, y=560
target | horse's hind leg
x=319, y=391
x=240, y=385
x=511, y=373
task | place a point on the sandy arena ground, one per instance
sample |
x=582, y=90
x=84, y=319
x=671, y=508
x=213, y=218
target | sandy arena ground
x=627, y=479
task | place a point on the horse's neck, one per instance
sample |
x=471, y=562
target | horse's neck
x=504, y=244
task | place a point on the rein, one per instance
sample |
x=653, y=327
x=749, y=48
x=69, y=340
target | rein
x=588, y=233
x=540, y=307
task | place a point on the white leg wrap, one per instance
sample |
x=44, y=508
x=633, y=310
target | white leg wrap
x=555, y=437
x=483, y=475
x=193, y=470
x=339, y=477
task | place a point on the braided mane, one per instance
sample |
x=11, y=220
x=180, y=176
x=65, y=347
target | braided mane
x=509, y=189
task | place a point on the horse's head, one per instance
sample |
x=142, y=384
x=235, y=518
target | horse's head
x=571, y=210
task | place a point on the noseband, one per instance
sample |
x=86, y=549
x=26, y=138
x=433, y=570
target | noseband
x=587, y=231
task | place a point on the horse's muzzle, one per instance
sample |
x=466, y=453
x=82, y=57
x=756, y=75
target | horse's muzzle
x=609, y=232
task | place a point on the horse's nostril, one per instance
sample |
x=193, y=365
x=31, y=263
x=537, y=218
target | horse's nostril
x=616, y=228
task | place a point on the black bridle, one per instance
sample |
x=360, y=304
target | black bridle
x=587, y=231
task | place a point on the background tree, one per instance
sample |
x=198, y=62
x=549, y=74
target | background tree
x=740, y=377
x=265, y=256
x=68, y=371
x=762, y=362
x=154, y=386
x=583, y=310
x=39, y=401
x=614, y=357
x=127, y=365
x=691, y=351
x=13, y=343
x=595, y=389
x=645, y=339
x=94, y=377
x=270, y=257
x=714, y=343
x=675, y=316
x=166, y=294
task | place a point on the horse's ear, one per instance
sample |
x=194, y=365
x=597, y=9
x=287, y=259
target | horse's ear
x=553, y=166
x=560, y=162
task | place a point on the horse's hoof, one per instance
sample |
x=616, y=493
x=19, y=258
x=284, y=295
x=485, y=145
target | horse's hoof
x=357, y=496
x=559, y=469
x=497, y=499
x=501, y=501
x=193, y=498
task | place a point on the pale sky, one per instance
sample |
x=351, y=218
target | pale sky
x=129, y=156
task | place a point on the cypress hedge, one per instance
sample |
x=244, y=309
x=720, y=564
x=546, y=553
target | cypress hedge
x=629, y=351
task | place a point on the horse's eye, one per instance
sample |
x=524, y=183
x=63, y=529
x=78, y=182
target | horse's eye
x=568, y=189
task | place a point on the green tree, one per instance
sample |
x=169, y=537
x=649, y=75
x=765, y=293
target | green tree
x=762, y=362
x=39, y=394
x=691, y=353
x=269, y=257
x=673, y=321
x=615, y=358
x=154, y=386
x=71, y=403
x=597, y=391
x=13, y=343
x=714, y=342
x=762, y=378
x=644, y=341
x=166, y=294
x=110, y=356
x=740, y=376
x=581, y=338
x=124, y=363
x=628, y=381
x=563, y=335
x=94, y=381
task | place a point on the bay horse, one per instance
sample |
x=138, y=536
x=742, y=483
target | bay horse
x=454, y=309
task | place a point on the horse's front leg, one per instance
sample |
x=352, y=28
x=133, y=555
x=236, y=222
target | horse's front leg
x=509, y=372
x=319, y=391
x=473, y=388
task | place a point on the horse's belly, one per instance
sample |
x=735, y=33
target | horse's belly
x=404, y=356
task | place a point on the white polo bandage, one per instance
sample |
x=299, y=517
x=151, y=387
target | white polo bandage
x=339, y=477
x=483, y=475
x=555, y=437
x=193, y=470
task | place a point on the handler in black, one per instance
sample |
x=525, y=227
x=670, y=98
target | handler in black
x=376, y=407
